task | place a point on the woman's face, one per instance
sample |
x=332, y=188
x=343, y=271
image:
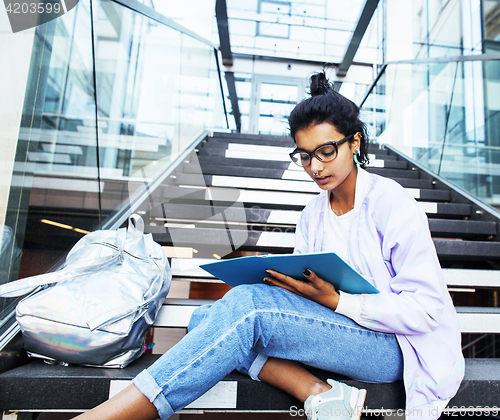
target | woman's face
x=328, y=175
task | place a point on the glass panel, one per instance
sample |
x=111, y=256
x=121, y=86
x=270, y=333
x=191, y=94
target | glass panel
x=64, y=194
x=51, y=204
x=444, y=116
x=157, y=90
x=195, y=83
x=276, y=103
x=274, y=7
x=273, y=30
x=137, y=72
x=244, y=28
x=242, y=5
x=448, y=33
x=423, y=28
x=317, y=30
x=244, y=91
x=354, y=91
x=491, y=19
x=492, y=129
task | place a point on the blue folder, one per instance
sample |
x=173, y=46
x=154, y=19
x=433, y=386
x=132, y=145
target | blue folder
x=327, y=265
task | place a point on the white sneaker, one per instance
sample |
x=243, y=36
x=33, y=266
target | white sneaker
x=342, y=402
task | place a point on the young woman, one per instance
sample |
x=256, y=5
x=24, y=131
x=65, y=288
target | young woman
x=407, y=331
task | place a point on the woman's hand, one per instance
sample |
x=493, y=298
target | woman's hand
x=313, y=287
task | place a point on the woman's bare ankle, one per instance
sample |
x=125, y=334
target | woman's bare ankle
x=319, y=387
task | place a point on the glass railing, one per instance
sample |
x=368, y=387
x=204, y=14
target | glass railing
x=445, y=115
x=115, y=95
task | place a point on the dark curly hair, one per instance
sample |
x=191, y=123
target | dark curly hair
x=327, y=105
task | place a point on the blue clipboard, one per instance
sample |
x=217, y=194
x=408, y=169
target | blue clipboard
x=327, y=265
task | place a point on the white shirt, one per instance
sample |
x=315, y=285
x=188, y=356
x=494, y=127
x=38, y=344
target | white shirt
x=336, y=235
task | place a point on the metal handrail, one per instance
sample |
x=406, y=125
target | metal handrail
x=472, y=57
x=150, y=186
x=372, y=86
x=144, y=10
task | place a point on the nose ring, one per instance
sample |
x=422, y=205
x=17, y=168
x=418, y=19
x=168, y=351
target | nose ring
x=316, y=173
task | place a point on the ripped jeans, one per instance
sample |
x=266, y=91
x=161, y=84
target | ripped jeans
x=252, y=322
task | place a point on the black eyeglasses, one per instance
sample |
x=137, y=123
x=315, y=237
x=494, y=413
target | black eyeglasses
x=324, y=153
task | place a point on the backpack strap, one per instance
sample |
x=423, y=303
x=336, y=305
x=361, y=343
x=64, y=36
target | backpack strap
x=29, y=284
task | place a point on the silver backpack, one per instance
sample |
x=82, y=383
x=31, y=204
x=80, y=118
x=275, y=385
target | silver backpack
x=96, y=310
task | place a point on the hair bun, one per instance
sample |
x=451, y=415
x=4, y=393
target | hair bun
x=319, y=84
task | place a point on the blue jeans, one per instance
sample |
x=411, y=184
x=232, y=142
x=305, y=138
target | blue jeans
x=253, y=322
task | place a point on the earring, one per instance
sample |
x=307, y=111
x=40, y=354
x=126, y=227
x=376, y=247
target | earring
x=355, y=157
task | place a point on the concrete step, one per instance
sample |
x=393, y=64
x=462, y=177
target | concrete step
x=299, y=186
x=40, y=387
x=277, y=200
x=281, y=240
x=203, y=215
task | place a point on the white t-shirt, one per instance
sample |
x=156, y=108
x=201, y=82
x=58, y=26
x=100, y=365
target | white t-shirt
x=336, y=229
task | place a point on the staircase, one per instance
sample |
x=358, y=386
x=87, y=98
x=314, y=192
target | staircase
x=256, y=195
x=239, y=195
